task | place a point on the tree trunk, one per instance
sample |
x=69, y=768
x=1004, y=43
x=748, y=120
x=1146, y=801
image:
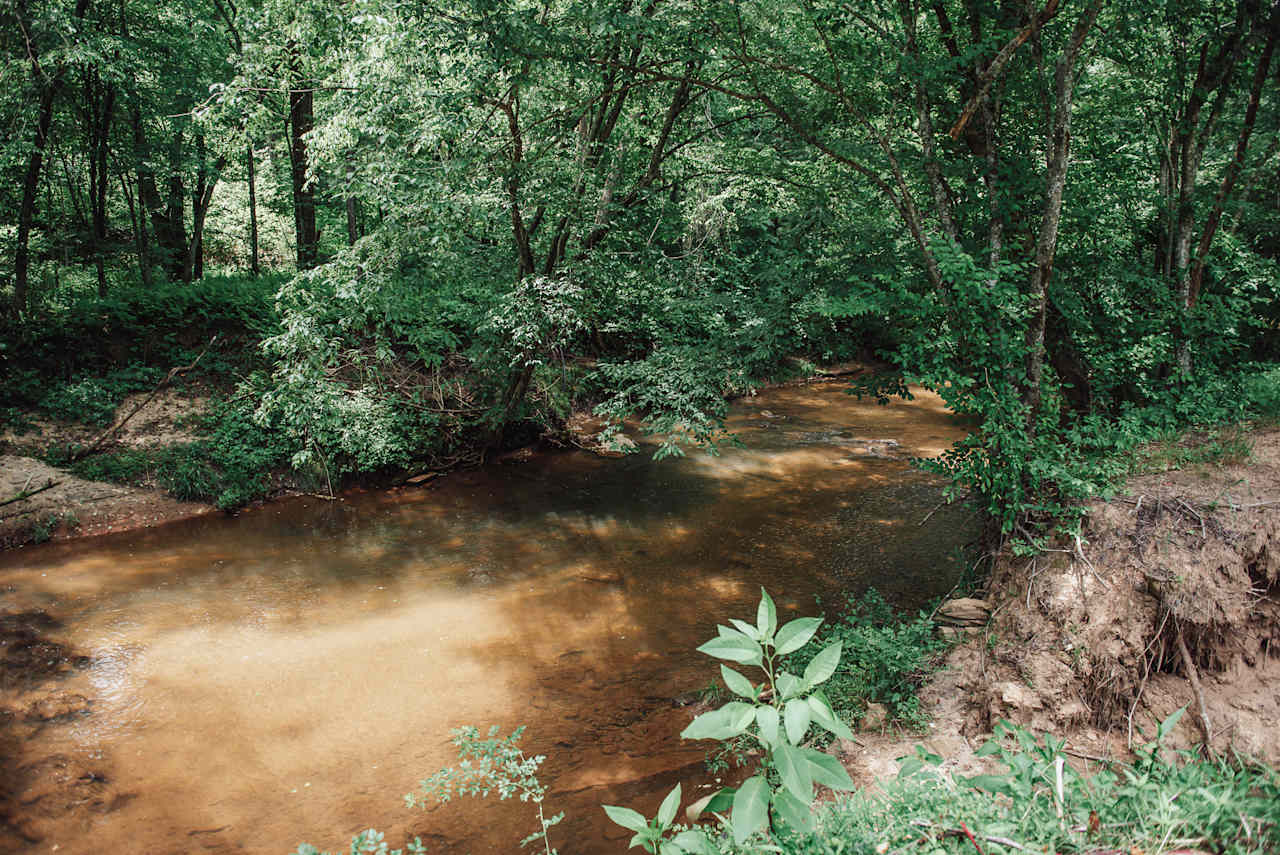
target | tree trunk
x=301, y=121
x=253, y=211
x=48, y=88
x=352, y=220
x=1057, y=151
x=30, y=185
x=175, y=247
x=100, y=111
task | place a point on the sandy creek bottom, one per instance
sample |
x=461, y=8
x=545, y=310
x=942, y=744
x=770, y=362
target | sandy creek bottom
x=287, y=674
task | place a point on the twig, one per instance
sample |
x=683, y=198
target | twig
x=1197, y=515
x=932, y=512
x=24, y=493
x=1088, y=563
x=963, y=830
x=168, y=378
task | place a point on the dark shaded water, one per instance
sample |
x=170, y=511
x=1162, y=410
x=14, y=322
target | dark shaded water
x=288, y=674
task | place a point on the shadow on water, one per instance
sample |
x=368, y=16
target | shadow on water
x=288, y=674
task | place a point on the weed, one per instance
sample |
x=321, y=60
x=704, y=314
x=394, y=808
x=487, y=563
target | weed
x=887, y=656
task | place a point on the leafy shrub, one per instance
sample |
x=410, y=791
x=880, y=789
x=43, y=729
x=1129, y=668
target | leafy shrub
x=886, y=657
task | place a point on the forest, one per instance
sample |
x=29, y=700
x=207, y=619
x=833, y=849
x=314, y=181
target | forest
x=381, y=240
x=432, y=230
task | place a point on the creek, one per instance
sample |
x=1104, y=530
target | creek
x=287, y=674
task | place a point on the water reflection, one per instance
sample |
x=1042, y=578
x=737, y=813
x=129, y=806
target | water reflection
x=289, y=673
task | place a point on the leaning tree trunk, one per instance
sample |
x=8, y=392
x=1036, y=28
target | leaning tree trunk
x=48, y=88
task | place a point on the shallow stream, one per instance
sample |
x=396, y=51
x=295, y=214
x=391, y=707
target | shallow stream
x=289, y=673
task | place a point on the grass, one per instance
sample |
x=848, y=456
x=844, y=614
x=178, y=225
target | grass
x=1222, y=446
x=1159, y=803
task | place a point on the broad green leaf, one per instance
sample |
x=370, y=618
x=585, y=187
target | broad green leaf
x=910, y=765
x=796, y=715
x=825, y=716
x=989, y=783
x=766, y=615
x=736, y=648
x=793, y=768
x=823, y=665
x=828, y=771
x=737, y=683
x=671, y=804
x=695, y=841
x=789, y=685
x=750, y=808
x=1166, y=727
x=626, y=817
x=988, y=748
x=670, y=847
x=709, y=725
x=724, y=723
x=767, y=718
x=796, y=634
x=793, y=813
x=721, y=801
x=746, y=629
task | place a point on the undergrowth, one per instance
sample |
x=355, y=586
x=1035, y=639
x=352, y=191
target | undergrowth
x=1038, y=802
x=231, y=464
x=887, y=657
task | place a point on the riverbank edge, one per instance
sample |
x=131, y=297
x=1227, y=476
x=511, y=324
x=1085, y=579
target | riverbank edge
x=74, y=508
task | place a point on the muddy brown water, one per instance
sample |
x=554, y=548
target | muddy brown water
x=288, y=674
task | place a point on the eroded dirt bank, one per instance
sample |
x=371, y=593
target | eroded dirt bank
x=75, y=507
x=1171, y=598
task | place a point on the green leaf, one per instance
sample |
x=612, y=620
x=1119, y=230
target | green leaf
x=796, y=634
x=827, y=771
x=671, y=804
x=750, y=808
x=789, y=685
x=988, y=748
x=1166, y=727
x=824, y=715
x=793, y=768
x=823, y=665
x=766, y=615
x=721, y=801
x=736, y=648
x=695, y=841
x=910, y=765
x=796, y=714
x=989, y=783
x=746, y=629
x=737, y=683
x=724, y=723
x=767, y=718
x=626, y=817
x=793, y=813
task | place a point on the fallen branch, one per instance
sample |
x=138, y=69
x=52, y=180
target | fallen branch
x=24, y=493
x=115, y=428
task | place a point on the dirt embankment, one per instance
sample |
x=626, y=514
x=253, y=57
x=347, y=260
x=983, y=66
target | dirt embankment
x=1170, y=598
x=75, y=507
